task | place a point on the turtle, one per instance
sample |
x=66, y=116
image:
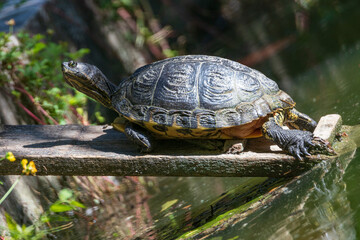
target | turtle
x=197, y=97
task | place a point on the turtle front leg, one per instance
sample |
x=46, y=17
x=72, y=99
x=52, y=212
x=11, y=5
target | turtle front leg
x=296, y=142
x=298, y=120
x=140, y=136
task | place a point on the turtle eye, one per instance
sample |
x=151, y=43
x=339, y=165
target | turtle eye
x=72, y=64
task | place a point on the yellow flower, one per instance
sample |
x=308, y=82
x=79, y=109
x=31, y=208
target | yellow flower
x=24, y=162
x=10, y=156
x=11, y=22
x=32, y=168
x=28, y=168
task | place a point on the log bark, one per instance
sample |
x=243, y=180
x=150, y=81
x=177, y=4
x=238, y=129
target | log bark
x=101, y=150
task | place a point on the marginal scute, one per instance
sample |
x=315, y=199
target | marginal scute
x=206, y=119
x=262, y=108
x=140, y=112
x=124, y=106
x=184, y=131
x=159, y=116
x=227, y=118
x=247, y=112
x=182, y=118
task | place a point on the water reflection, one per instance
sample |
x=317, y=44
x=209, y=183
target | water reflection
x=314, y=207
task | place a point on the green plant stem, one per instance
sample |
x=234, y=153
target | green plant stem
x=10, y=190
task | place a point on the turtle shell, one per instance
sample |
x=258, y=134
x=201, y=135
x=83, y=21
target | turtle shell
x=197, y=92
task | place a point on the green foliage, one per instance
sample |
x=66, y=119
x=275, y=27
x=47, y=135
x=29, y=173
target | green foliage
x=168, y=204
x=32, y=70
x=99, y=117
x=23, y=232
x=66, y=202
x=38, y=230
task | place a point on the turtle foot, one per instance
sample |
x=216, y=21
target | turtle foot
x=303, y=143
x=298, y=143
x=140, y=136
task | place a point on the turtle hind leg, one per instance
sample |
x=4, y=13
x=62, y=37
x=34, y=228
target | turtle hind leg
x=140, y=136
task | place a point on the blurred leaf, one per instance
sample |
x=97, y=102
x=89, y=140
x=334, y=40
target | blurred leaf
x=100, y=118
x=77, y=204
x=78, y=99
x=15, y=93
x=38, y=47
x=29, y=230
x=12, y=225
x=60, y=207
x=14, y=229
x=65, y=194
x=168, y=204
x=79, y=54
x=170, y=53
x=45, y=218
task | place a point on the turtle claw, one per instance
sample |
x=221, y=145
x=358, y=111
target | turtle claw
x=298, y=149
x=295, y=152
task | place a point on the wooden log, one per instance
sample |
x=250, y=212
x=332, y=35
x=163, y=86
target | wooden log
x=101, y=150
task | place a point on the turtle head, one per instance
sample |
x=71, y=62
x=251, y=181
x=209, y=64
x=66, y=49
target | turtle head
x=90, y=80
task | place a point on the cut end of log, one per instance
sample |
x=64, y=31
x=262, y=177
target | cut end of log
x=328, y=126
